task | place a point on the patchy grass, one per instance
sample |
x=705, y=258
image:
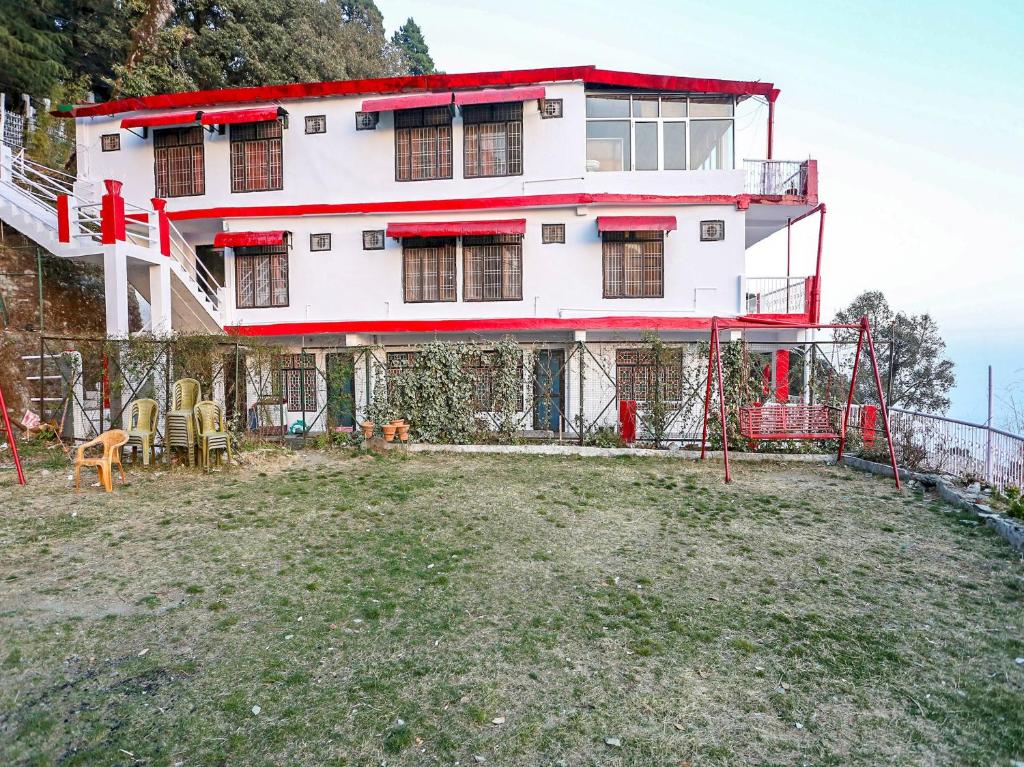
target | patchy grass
x=430, y=609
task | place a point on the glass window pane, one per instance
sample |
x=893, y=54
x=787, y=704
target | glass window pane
x=675, y=146
x=645, y=106
x=608, y=145
x=711, y=106
x=646, y=146
x=711, y=145
x=607, y=106
x=673, y=106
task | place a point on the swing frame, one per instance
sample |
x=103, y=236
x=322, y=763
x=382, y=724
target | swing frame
x=715, y=368
x=10, y=438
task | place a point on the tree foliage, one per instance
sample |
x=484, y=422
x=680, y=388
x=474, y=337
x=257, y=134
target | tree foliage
x=910, y=350
x=409, y=38
x=32, y=49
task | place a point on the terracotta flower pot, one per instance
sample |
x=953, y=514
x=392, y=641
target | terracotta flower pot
x=368, y=427
x=389, y=432
x=403, y=432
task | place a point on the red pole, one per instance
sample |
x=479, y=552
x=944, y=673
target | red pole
x=721, y=406
x=789, y=241
x=771, y=121
x=10, y=439
x=881, y=399
x=707, y=393
x=112, y=213
x=849, y=398
x=63, y=218
x=163, y=225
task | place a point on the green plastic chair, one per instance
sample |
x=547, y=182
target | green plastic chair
x=142, y=428
x=179, y=431
x=211, y=431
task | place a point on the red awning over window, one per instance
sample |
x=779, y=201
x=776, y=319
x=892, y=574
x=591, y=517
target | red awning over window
x=165, y=118
x=497, y=95
x=249, y=239
x=457, y=228
x=232, y=116
x=636, y=223
x=412, y=101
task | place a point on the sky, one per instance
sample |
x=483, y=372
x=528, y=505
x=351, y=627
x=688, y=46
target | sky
x=914, y=111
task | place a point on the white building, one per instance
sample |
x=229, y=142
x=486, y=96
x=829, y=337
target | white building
x=557, y=205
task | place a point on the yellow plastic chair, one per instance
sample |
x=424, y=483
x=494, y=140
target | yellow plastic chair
x=179, y=423
x=142, y=428
x=211, y=432
x=112, y=442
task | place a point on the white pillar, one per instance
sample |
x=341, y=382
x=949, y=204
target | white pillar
x=115, y=290
x=160, y=298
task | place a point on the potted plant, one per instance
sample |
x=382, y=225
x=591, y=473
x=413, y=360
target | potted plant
x=368, y=427
x=403, y=431
x=389, y=430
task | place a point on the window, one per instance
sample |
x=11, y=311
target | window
x=634, y=264
x=428, y=269
x=712, y=231
x=493, y=140
x=552, y=233
x=261, y=276
x=367, y=120
x=256, y=163
x=110, y=142
x=178, y=162
x=423, y=144
x=492, y=268
x=397, y=364
x=320, y=242
x=550, y=108
x=636, y=371
x=316, y=124
x=484, y=370
x=373, y=239
x=298, y=372
x=659, y=132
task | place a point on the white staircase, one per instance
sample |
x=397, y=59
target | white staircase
x=31, y=198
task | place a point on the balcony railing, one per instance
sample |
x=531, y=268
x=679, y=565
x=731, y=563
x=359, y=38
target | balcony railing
x=778, y=295
x=776, y=177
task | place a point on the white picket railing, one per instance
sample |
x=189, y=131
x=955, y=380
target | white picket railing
x=776, y=295
x=776, y=177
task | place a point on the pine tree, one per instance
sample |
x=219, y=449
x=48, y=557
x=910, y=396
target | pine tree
x=31, y=47
x=409, y=39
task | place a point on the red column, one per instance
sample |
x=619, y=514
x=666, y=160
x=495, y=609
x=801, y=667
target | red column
x=782, y=375
x=63, y=218
x=112, y=213
x=163, y=225
x=627, y=420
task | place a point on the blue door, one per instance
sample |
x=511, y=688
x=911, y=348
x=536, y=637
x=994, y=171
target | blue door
x=548, y=389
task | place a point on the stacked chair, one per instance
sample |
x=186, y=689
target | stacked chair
x=142, y=428
x=211, y=432
x=179, y=423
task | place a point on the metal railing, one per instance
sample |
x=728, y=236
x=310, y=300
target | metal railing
x=776, y=177
x=185, y=255
x=776, y=295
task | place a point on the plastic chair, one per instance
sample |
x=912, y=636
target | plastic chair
x=211, y=431
x=179, y=425
x=142, y=428
x=112, y=442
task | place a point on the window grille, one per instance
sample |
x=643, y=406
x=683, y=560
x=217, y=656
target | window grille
x=256, y=157
x=110, y=142
x=373, y=239
x=492, y=268
x=428, y=269
x=552, y=233
x=484, y=370
x=550, y=108
x=397, y=364
x=493, y=140
x=320, y=241
x=316, y=123
x=179, y=162
x=712, y=231
x=633, y=264
x=636, y=372
x=423, y=144
x=261, y=276
x=367, y=120
x=298, y=372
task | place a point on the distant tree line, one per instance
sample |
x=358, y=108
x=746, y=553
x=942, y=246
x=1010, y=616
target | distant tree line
x=120, y=48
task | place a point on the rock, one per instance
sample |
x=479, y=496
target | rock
x=479, y=759
x=613, y=742
x=256, y=710
x=1019, y=661
x=974, y=488
x=498, y=720
x=45, y=472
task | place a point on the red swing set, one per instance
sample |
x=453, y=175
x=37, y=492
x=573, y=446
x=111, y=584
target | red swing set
x=786, y=421
x=6, y=419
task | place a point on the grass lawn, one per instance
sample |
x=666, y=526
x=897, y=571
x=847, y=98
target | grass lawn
x=333, y=609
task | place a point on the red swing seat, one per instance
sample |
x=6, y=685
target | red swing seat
x=778, y=421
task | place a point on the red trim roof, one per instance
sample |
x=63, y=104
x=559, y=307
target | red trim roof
x=456, y=228
x=588, y=74
x=232, y=116
x=164, y=118
x=499, y=95
x=636, y=223
x=248, y=239
x=412, y=101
